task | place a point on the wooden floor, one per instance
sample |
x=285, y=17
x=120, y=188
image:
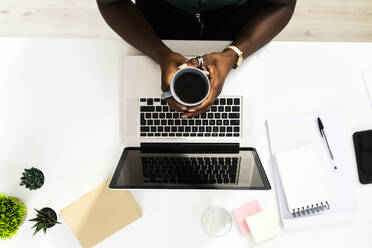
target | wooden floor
x=314, y=20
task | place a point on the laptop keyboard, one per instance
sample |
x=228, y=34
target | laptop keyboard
x=222, y=120
x=190, y=170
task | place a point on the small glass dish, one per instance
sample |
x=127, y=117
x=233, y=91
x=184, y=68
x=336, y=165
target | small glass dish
x=216, y=221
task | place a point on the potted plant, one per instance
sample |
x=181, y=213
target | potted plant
x=32, y=178
x=45, y=219
x=12, y=215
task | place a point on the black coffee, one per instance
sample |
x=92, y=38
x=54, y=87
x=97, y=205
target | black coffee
x=190, y=87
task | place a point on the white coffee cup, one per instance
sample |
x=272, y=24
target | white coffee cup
x=189, y=86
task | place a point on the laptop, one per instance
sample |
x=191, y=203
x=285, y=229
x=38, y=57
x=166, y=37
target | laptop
x=207, y=151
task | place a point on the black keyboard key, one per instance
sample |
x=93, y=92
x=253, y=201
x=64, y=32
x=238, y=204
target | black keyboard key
x=224, y=115
x=178, y=134
x=229, y=101
x=161, y=115
x=142, y=99
x=192, y=134
x=234, y=122
x=207, y=134
x=220, y=109
x=187, y=129
x=222, y=129
x=147, y=108
x=234, y=115
x=221, y=135
x=201, y=129
x=165, y=108
x=186, y=134
x=163, y=102
x=181, y=129
x=168, y=115
x=150, y=122
x=163, y=122
x=153, y=129
x=170, y=122
x=158, y=109
x=156, y=99
x=236, y=129
x=142, y=116
x=225, y=122
x=215, y=129
x=215, y=102
x=148, y=115
x=229, y=129
x=236, y=101
x=150, y=134
x=164, y=134
x=194, y=129
x=203, y=116
x=157, y=122
x=210, y=116
x=174, y=129
x=219, y=122
x=236, y=134
x=167, y=129
x=184, y=122
x=157, y=134
x=150, y=101
x=176, y=115
x=222, y=101
x=217, y=115
x=200, y=135
x=198, y=122
x=208, y=129
x=197, y=117
x=143, y=122
x=145, y=129
x=214, y=109
x=155, y=115
x=228, y=109
x=229, y=135
x=160, y=129
x=212, y=122
x=172, y=134
x=205, y=122
x=235, y=109
x=177, y=122
x=191, y=122
x=142, y=134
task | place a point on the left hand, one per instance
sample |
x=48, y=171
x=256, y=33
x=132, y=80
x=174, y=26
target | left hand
x=218, y=66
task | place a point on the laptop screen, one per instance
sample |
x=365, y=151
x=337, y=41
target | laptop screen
x=241, y=170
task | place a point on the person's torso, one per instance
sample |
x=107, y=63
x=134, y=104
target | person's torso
x=195, y=6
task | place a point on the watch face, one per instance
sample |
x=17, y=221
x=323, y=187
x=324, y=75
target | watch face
x=240, y=60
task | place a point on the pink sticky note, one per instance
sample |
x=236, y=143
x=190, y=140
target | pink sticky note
x=243, y=212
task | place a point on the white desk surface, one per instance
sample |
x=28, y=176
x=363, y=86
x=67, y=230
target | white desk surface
x=59, y=110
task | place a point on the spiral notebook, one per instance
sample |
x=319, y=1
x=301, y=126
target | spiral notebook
x=293, y=132
x=302, y=176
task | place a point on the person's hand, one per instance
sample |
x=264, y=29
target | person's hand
x=218, y=66
x=169, y=66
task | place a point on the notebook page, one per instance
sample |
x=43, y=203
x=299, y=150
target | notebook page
x=302, y=176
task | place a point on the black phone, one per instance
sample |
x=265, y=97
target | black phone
x=363, y=153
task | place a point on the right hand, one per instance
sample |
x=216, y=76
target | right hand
x=169, y=65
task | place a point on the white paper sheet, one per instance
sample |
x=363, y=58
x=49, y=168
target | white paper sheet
x=286, y=133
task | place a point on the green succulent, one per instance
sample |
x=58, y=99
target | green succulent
x=32, y=178
x=45, y=218
x=12, y=215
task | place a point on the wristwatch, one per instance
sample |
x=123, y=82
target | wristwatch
x=239, y=53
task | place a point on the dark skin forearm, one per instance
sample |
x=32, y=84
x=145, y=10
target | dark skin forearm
x=264, y=26
x=129, y=22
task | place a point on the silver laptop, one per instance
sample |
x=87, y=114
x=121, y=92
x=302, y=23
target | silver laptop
x=202, y=152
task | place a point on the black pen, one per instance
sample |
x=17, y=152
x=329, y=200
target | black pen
x=321, y=129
